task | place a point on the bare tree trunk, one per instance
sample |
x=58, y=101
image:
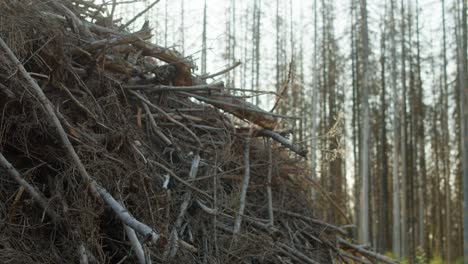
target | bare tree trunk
x=412, y=148
x=244, y=56
x=203, y=55
x=231, y=37
x=364, y=219
x=421, y=144
x=301, y=84
x=383, y=199
x=396, y=182
x=256, y=49
x=446, y=139
x=355, y=134
x=404, y=216
x=314, y=95
x=277, y=22
x=458, y=179
x=182, y=26
x=165, y=22
x=463, y=81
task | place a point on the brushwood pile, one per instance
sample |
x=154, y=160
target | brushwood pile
x=113, y=151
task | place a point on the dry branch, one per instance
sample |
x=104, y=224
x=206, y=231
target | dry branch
x=41, y=200
x=6, y=91
x=144, y=100
x=269, y=176
x=179, y=178
x=155, y=127
x=241, y=109
x=165, y=88
x=35, y=194
x=118, y=40
x=136, y=245
x=221, y=72
x=184, y=207
x=297, y=253
x=78, y=24
x=139, y=15
x=283, y=141
x=366, y=252
x=188, y=194
x=83, y=255
x=120, y=211
x=312, y=220
x=245, y=186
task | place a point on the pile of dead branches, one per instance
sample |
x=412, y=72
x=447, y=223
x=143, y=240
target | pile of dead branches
x=113, y=151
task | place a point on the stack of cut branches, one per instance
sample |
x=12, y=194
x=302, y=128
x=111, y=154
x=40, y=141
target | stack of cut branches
x=113, y=151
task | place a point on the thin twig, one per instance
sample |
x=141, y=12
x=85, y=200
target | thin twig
x=332, y=201
x=366, y=252
x=7, y=91
x=221, y=72
x=284, y=141
x=146, y=101
x=312, y=220
x=166, y=88
x=188, y=194
x=78, y=103
x=184, y=182
x=84, y=108
x=119, y=40
x=283, y=90
x=184, y=206
x=78, y=24
x=155, y=126
x=114, y=4
x=236, y=106
x=138, y=15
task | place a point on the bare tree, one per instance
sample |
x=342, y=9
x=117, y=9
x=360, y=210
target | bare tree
x=204, y=47
x=396, y=181
x=383, y=156
x=314, y=101
x=463, y=81
x=364, y=219
x=182, y=26
x=420, y=142
x=404, y=213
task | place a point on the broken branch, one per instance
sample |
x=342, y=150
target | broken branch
x=96, y=189
x=245, y=186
